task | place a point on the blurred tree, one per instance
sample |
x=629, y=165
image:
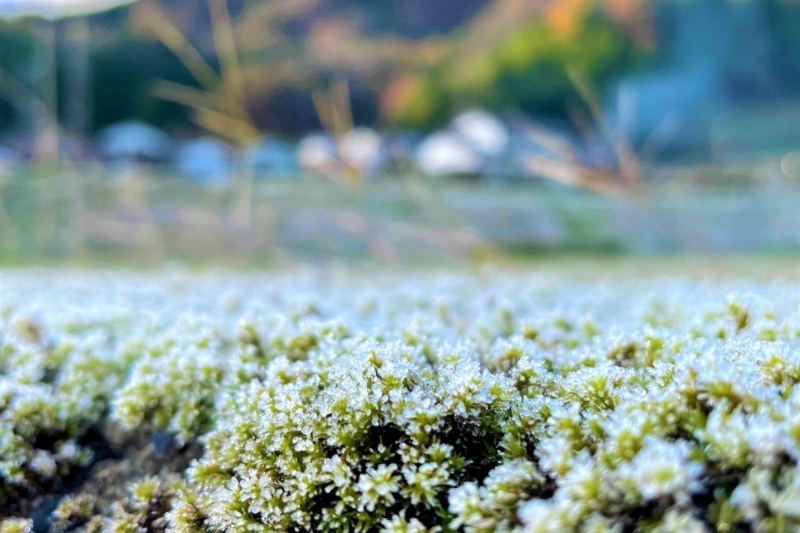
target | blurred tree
x=635, y=16
x=16, y=47
x=532, y=65
x=416, y=60
x=123, y=89
x=528, y=71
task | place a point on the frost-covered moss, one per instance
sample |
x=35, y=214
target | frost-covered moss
x=484, y=403
x=367, y=437
x=50, y=394
x=15, y=525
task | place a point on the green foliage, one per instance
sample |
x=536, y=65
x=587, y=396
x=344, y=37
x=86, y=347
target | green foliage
x=123, y=81
x=17, y=47
x=527, y=71
x=533, y=64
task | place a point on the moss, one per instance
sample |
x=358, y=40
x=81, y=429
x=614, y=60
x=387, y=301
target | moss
x=499, y=402
x=16, y=525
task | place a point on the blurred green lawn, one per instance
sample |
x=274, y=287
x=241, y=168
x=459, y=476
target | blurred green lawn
x=81, y=217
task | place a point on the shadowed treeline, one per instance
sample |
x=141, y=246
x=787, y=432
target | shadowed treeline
x=390, y=53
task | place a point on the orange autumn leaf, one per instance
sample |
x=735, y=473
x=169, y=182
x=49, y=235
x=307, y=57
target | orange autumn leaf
x=397, y=95
x=564, y=16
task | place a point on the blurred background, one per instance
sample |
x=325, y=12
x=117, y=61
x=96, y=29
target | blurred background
x=399, y=131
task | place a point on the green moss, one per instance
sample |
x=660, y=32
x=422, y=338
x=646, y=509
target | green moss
x=499, y=402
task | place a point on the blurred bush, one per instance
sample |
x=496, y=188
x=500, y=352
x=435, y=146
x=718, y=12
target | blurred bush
x=528, y=71
x=16, y=45
x=419, y=61
x=412, y=63
x=122, y=84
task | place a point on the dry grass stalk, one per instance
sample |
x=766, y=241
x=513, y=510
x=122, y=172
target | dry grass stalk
x=168, y=33
x=624, y=181
x=335, y=113
x=220, y=107
x=21, y=97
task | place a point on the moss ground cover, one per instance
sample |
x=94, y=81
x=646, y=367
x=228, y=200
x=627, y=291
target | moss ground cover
x=462, y=402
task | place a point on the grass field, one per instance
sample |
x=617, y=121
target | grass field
x=84, y=217
x=525, y=399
